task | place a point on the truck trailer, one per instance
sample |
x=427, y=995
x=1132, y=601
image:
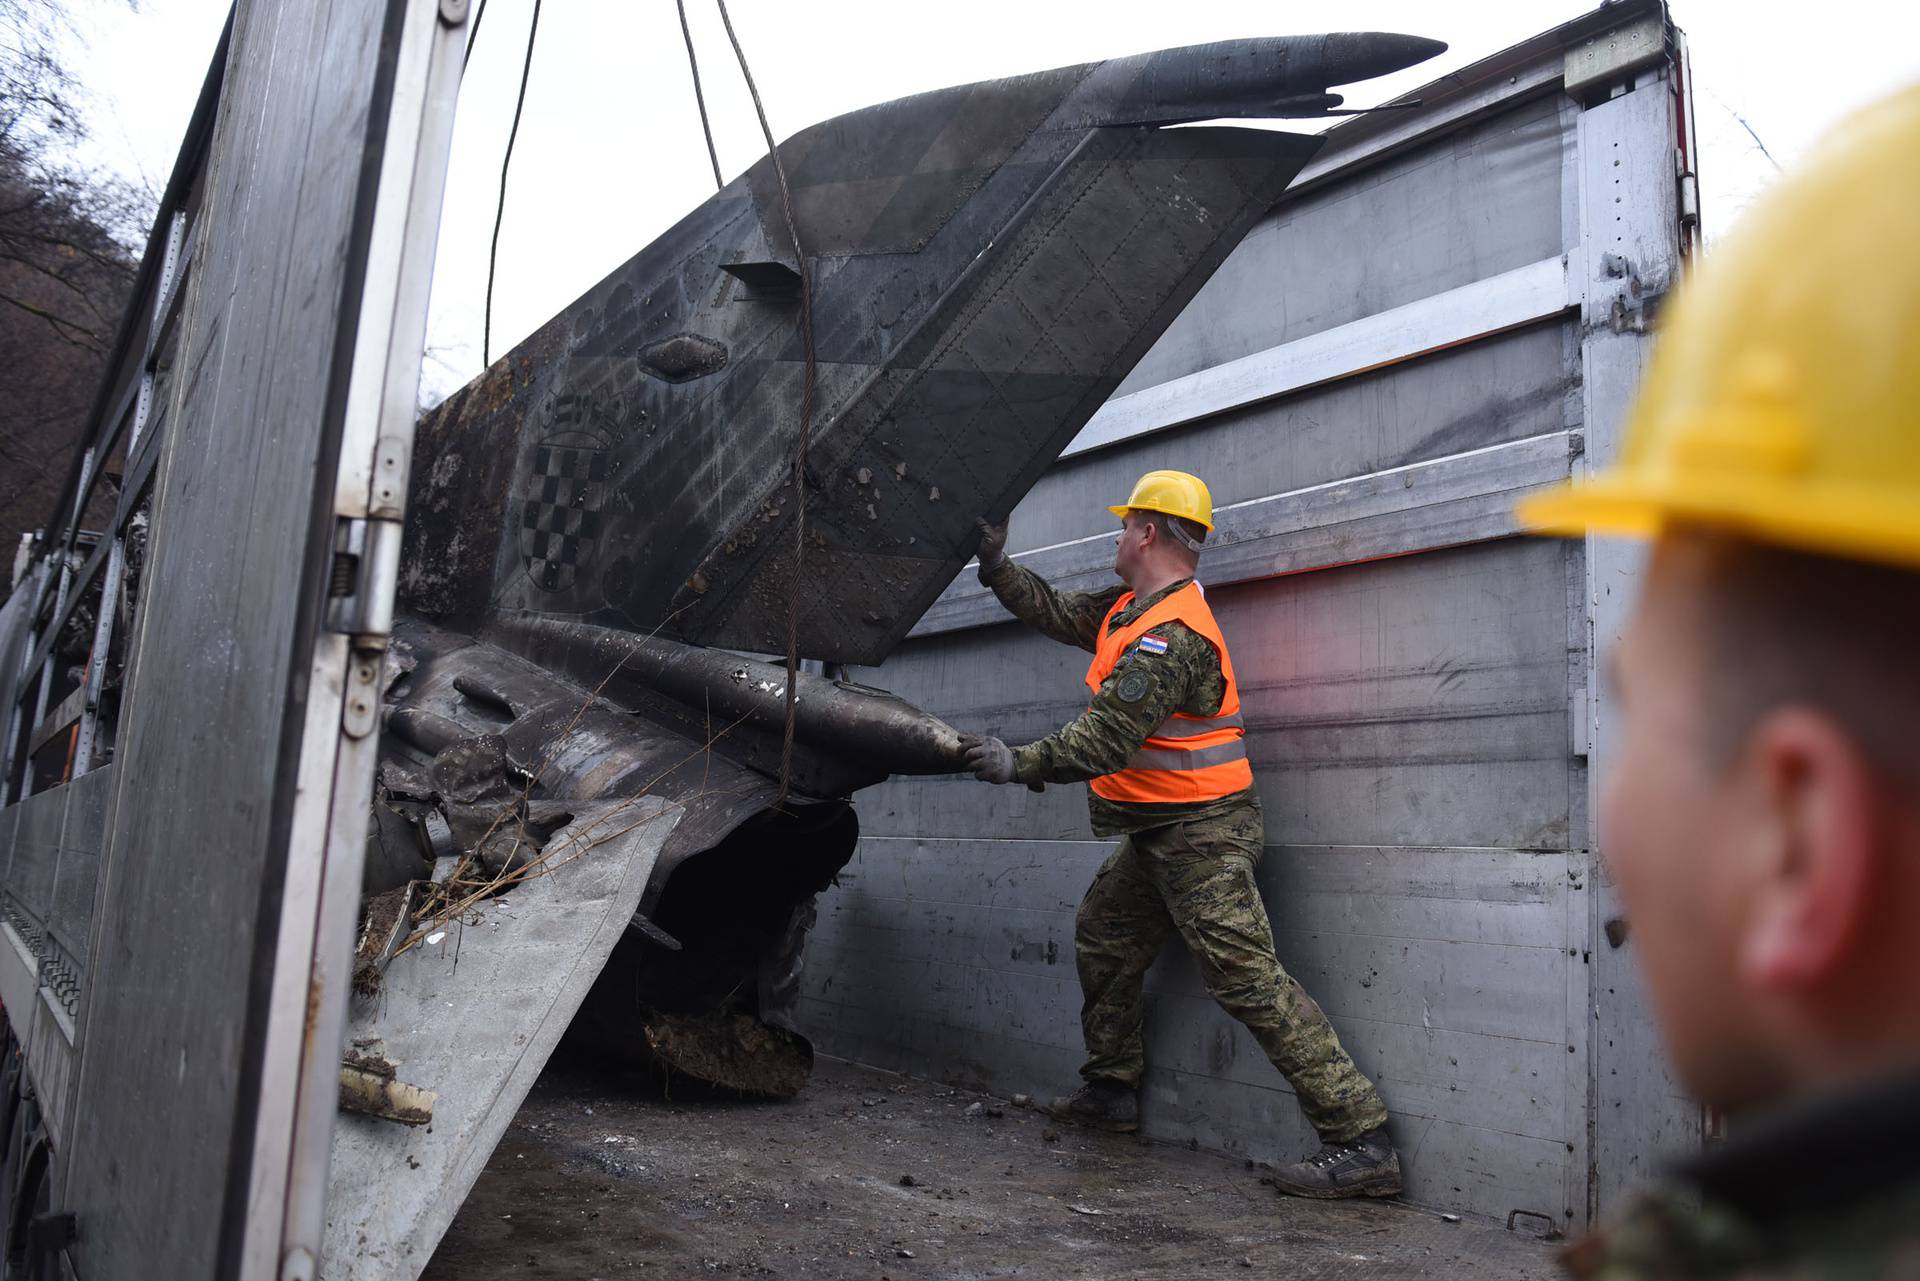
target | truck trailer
x=355, y=757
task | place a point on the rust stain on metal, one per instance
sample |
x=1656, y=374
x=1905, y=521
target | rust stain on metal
x=370, y=1086
x=316, y=993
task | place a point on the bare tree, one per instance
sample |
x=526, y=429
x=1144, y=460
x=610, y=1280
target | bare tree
x=67, y=263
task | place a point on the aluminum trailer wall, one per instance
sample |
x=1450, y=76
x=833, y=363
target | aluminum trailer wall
x=185, y=805
x=1449, y=308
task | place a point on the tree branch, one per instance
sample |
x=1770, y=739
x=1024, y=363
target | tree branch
x=64, y=329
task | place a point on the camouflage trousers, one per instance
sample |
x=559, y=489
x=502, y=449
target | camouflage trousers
x=1197, y=878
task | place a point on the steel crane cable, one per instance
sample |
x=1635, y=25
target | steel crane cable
x=806, y=413
x=500, y=210
x=699, y=98
x=473, y=35
x=799, y=479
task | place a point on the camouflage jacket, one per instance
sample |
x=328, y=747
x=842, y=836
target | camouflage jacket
x=1829, y=1191
x=1186, y=678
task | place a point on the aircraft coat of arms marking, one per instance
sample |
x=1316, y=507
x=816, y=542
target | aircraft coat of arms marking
x=560, y=524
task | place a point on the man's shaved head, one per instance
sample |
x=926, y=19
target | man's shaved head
x=1783, y=627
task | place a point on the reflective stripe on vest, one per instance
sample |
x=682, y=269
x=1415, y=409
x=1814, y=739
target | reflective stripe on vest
x=1194, y=726
x=1199, y=758
x=1186, y=758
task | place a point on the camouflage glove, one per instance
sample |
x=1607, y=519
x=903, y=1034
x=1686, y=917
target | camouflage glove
x=993, y=543
x=989, y=759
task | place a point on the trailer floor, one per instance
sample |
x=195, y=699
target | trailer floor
x=600, y=1176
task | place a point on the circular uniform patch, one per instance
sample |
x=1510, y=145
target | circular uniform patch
x=1132, y=687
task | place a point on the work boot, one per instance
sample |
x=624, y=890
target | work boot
x=1366, y=1166
x=1105, y=1105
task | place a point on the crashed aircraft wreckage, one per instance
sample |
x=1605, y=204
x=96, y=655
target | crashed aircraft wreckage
x=578, y=785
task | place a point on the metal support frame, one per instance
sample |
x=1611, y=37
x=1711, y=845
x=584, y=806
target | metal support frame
x=1635, y=236
x=73, y=583
x=11, y=778
x=1510, y=300
x=88, y=742
x=88, y=462
x=1421, y=507
x=166, y=294
x=1493, y=84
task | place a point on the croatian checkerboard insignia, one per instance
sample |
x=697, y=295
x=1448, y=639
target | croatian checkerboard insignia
x=560, y=507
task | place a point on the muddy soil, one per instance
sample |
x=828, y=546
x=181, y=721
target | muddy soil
x=873, y=1177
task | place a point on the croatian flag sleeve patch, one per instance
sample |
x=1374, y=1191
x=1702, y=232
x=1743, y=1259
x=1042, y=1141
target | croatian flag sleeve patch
x=1151, y=644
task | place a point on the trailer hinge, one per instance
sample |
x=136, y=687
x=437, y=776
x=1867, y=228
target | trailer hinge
x=365, y=575
x=360, y=707
x=1624, y=300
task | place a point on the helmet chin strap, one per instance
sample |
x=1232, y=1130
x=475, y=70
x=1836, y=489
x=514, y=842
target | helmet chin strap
x=1181, y=536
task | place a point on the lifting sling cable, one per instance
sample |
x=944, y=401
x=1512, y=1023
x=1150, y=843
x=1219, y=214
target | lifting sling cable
x=806, y=413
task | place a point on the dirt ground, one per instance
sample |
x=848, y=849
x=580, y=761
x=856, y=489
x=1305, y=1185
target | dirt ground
x=874, y=1177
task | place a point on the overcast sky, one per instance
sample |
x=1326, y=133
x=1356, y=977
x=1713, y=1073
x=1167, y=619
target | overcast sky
x=610, y=152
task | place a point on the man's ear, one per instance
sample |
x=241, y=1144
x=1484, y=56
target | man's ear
x=1818, y=837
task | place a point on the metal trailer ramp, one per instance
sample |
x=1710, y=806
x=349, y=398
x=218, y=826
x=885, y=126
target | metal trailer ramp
x=473, y=1012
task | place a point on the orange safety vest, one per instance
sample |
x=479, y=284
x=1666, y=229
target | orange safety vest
x=1188, y=758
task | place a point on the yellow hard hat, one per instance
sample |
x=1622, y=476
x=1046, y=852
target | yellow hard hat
x=1783, y=399
x=1173, y=492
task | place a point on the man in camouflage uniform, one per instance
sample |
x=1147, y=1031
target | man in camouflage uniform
x=1762, y=808
x=1181, y=867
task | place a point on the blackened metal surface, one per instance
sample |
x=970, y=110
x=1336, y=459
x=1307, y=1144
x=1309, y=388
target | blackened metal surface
x=989, y=262
x=684, y=357
x=1241, y=79
x=590, y=731
x=579, y=746
x=497, y=746
x=604, y=737
x=854, y=724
